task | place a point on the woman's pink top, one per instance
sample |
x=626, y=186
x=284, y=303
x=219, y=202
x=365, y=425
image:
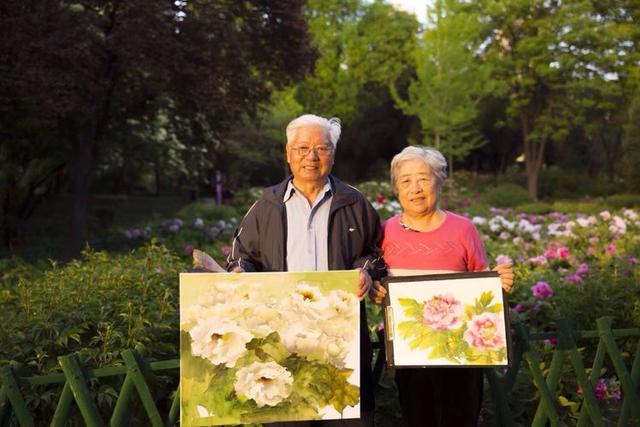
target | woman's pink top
x=454, y=246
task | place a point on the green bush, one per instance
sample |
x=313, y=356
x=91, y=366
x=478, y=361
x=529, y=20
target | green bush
x=506, y=196
x=535, y=208
x=99, y=304
x=618, y=201
x=572, y=206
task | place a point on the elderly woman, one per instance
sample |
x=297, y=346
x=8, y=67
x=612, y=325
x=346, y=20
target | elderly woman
x=426, y=239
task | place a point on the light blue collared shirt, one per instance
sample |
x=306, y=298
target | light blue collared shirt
x=307, y=229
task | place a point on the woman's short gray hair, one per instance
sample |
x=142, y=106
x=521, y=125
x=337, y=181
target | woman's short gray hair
x=331, y=126
x=432, y=157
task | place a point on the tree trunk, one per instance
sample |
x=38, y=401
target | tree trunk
x=81, y=163
x=533, y=155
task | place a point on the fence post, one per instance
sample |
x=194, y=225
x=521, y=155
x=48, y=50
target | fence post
x=635, y=377
x=628, y=386
x=590, y=403
x=78, y=384
x=12, y=391
x=533, y=360
x=136, y=368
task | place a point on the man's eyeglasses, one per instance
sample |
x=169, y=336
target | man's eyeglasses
x=321, y=150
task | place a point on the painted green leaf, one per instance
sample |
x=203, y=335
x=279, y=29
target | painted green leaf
x=269, y=348
x=409, y=328
x=412, y=308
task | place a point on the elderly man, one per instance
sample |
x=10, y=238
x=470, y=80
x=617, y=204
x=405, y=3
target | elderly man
x=314, y=222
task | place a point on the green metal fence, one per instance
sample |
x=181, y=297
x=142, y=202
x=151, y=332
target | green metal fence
x=140, y=375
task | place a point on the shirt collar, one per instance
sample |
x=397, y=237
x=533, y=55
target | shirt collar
x=291, y=189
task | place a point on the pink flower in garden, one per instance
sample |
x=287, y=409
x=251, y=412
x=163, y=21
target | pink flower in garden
x=593, y=240
x=582, y=269
x=591, y=250
x=542, y=290
x=552, y=342
x=550, y=254
x=188, y=249
x=611, y=248
x=539, y=260
x=505, y=235
x=605, y=215
x=443, y=312
x=563, y=252
x=226, y=250
x=380, y=198
x=600, y=390
x=633, y=261
x=213, y=231
x=485, y=331
x=519, y=308
x=574, y=278
x=503, y=259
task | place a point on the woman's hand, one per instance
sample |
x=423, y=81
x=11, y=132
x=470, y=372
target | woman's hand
x=377, y=292
x=506, y=275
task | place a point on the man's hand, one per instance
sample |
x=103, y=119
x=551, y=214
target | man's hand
x=364, y=285
x=506, y=275
x=377, y=292
x=237, y=269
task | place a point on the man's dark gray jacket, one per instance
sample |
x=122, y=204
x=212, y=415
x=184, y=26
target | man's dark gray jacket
x=260, y=244
x=354, y=233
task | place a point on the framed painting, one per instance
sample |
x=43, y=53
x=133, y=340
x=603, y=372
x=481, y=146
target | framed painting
x=457, y=319
x=268, y=347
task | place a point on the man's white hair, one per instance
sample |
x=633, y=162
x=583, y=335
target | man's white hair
x=331, y=126
x=432, y=157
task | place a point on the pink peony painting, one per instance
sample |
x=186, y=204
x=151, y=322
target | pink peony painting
x=449, y=322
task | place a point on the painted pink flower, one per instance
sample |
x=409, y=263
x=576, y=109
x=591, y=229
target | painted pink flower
x=611, y=248
x=542, y=290
x=443, y=312
x=485, y=331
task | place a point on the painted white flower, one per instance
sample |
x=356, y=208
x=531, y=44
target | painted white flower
x=219, y=341
x=267, y=383
x=308, y=301
x=334, y=350
x=342, y=303
x=191, y=315
x=203, y=411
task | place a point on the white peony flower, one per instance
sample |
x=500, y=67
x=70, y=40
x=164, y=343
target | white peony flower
x=219, y=341
x=203, y=411
x=266, y=383
x=334, y=350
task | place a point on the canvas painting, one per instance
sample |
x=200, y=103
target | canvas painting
x=268, y=347
x=457, y=319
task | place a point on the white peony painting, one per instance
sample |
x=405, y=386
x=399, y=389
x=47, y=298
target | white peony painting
x=268, y=347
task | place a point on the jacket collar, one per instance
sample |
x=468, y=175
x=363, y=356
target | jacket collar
x=343, y=194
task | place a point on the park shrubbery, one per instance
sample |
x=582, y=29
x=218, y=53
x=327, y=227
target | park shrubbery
x=576, y=265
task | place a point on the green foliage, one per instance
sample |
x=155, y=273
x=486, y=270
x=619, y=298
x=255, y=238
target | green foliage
x=537, y=208
x=506, y=196
x=449, y=82
x=618, y=201
x=99, y=305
